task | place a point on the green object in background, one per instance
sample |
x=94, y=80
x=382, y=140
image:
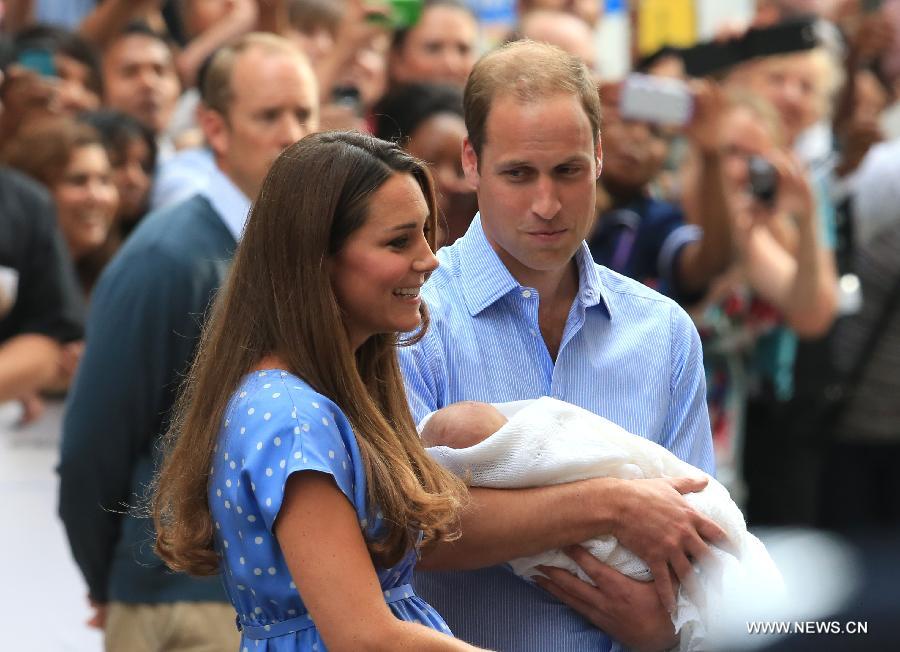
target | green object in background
x=402, y=14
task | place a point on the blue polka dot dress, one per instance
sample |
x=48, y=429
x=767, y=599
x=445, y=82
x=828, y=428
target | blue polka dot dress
x=275, y=425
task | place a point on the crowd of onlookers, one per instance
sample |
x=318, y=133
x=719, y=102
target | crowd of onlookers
x=106, y=117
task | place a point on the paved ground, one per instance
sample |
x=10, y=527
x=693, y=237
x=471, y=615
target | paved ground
x=42, y=595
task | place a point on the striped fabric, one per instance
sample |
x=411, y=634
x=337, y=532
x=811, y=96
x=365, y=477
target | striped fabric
x=873, y=414
x=627, y=353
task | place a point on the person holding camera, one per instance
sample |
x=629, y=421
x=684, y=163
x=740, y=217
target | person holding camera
x=783, y=279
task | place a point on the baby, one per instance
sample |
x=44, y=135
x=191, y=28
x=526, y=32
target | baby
x=546, y=441
x=462, y=424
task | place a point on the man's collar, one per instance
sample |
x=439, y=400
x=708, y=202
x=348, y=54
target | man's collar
x=485, y=279
x=228, y=201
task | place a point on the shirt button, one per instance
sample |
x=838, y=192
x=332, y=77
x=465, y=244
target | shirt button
x=526, y=294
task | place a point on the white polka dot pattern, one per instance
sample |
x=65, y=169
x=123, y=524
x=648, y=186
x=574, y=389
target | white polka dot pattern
x=279, y=426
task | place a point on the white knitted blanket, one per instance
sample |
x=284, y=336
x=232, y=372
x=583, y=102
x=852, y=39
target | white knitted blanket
x=548, y=442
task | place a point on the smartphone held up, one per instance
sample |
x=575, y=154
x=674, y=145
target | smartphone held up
x=660, y=100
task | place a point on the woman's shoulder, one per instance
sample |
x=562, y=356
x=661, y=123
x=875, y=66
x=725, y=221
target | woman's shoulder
x=276, y=402
x=280, y=387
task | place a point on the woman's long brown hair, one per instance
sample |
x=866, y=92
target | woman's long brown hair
x=278, y=300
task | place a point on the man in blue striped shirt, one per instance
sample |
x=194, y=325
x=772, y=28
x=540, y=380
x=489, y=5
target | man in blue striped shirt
x=519, y=310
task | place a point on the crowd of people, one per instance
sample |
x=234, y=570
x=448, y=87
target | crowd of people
x=217, y=220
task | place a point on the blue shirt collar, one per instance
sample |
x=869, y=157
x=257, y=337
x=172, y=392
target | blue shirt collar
x=485, y=279
x=231, y=204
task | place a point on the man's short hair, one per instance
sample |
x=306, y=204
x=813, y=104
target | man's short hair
x=528, y=71
x=215, y=76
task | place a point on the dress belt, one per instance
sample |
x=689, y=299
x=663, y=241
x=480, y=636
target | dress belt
x=299, y=623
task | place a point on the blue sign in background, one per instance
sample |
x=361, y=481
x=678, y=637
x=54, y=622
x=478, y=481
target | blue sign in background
x=504, y=11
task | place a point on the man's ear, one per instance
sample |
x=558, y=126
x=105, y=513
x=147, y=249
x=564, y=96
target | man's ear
x=470, y=164
x=215, y=130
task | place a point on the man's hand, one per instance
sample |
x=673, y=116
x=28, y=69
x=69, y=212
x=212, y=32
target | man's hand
x=626, y=609
x=98, y=618
x=657, y=524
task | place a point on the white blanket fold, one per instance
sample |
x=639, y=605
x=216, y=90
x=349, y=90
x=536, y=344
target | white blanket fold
x=548, y=442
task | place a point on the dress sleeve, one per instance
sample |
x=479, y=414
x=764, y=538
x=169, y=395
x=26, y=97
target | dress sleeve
x=293, y=430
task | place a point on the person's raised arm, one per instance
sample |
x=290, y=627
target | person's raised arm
x=110, y=17
x=323, y=546
x=18, y=14
x=355, y=31
x=704, y=259
x=240, y=19
x=274, y=16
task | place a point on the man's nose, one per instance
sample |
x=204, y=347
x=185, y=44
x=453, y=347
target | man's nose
x=545, y=203
x=148, y=77
x=292, y=130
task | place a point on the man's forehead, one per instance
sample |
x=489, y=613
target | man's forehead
x=247, y=63
x=294, y=75
x=508, y=109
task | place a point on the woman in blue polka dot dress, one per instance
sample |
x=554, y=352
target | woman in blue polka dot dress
x=293, y=464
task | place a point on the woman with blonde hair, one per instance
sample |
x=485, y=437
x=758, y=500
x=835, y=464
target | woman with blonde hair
x=293, y=463
x=780, y=287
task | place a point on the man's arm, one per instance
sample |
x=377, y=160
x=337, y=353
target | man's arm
x=48, y=307
x=686, y=431
x=500, y=525
x=636, y=613
x=141, y=332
